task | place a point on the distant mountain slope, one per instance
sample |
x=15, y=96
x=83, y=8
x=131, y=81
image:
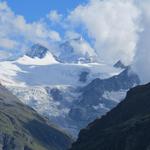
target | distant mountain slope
x=126, y=127
x=21, y=128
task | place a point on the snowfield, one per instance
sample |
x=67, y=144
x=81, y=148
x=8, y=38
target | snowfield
x=28, y=71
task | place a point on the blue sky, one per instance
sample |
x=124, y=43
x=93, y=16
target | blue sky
x=33, y=10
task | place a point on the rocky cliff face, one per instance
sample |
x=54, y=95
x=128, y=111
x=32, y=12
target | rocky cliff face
x=37, y=50
x=21, y=128
x=126, y=127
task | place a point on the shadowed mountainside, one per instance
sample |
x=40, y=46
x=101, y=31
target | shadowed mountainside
x=21, y=128
x=126, y=127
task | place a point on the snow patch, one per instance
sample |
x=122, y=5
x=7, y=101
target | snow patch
x=116, y=96
x=27, y=71
x=48, y=59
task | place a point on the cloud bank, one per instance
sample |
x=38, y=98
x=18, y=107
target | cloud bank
x=141, y=62
x=113, y=24
x=121, y=31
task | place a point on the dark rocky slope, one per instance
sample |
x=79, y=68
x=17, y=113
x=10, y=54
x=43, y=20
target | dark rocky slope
x=37, y=50
x=21, y=128
x=126, y=127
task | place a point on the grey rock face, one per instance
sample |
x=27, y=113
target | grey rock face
x=37, y=50
x=119, y=64
x=56, y=94
x=83, y=76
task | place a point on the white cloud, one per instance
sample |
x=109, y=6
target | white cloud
x=112, y=24
x=145, y=7
x=54, y=16
x=8, y=43
x=17, y=34
x=4, y=55
x=72, y=35
x=141, y=63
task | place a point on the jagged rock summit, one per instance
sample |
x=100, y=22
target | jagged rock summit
x=76, y=50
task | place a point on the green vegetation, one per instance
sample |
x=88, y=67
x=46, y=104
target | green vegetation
x=21, y=128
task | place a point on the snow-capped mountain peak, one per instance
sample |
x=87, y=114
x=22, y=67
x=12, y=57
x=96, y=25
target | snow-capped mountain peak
x=76, y=51
x=119, y=64
x=37, y=55
x=37, y=50
x=47, y=60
